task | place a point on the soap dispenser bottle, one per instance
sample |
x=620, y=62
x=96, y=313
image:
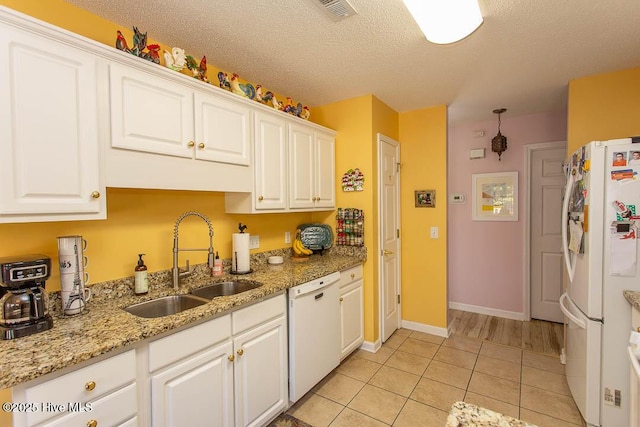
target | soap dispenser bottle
x=217, y=266
x=141, y=280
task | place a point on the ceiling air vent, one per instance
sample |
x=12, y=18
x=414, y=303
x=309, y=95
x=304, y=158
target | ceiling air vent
x=336, y=9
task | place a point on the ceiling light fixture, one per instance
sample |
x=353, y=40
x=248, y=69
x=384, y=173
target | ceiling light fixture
x=445, y=21
x=499, y=142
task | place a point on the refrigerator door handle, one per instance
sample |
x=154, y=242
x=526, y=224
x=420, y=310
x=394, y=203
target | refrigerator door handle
x=571, y=269
x=581, y=324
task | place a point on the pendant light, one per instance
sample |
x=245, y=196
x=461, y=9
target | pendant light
x=445, y=21
x=499, y=142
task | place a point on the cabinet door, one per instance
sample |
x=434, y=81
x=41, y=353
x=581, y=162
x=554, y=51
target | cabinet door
x=149, y=113
x=49, y=150
x=351, y=318
x=301, y=167
x=195, y=392
x=325, y=168
x=270, y=162
x=260, y=373
x=222, y=129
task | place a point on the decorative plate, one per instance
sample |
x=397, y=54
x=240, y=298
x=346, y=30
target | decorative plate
x=316, y=236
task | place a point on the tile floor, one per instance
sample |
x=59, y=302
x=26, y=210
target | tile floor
x=415, y=378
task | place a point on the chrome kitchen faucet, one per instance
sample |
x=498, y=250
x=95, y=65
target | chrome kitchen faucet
x=177, y=274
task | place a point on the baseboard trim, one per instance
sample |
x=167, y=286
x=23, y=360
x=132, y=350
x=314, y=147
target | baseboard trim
x=488, y=311
x=371, y=347
x=421, y=327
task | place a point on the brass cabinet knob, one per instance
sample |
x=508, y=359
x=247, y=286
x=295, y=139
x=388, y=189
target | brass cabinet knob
x=341, y=299
x=90, y=385
x=231, y=358
x=92, y=423
x=240, y=352
x=260, y=198
x=353, y=276
x=386, y=252
x=201, y=145
x=191, y=144
x=95, y=195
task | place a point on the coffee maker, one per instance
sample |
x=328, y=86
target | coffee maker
x=24, y=304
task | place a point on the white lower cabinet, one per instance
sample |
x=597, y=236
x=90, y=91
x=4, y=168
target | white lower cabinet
x=351, y=310
x=195, y=392
x=261, y=373
x=241, y=380
x=101, y=394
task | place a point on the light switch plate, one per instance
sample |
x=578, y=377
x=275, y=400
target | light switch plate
x=434, y=232
x=287, y=237
x=254, y=241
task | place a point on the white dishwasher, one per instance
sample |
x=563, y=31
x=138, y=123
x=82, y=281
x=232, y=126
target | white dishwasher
x=314, y=333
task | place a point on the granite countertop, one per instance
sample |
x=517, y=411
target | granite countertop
x=464, y=414
x=104, y=326
x=633, y=297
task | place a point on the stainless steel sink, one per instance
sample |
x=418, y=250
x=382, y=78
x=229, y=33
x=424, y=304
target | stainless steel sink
x=221, y=289
x=165, y=306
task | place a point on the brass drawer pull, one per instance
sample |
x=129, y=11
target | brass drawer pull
x=231, y=358
x=90, y=385
x=95, y=195
x=92, y=423
x=240, y=352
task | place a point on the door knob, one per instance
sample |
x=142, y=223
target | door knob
x=386, y=252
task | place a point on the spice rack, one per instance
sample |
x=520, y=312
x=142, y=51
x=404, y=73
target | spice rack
x=350, y=227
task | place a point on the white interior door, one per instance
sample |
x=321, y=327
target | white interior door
x=388, y=230
x=545, y=250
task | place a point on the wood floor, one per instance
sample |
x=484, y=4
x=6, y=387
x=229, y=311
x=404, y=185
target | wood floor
x=536, y=335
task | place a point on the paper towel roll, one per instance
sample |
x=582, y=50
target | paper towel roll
x=240, y=257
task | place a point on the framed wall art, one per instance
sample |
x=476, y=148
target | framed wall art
x=425, y=198
x=495, y=196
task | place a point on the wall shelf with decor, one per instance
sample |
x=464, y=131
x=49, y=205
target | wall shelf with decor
x=350, y=227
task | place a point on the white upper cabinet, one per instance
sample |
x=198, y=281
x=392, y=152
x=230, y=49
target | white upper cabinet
x=156, y=115
x=168, y=133
x=222, y=130
x=294, y=167
x=311, y=169
x=49, y=141
x=150, y=114
x=270, y=165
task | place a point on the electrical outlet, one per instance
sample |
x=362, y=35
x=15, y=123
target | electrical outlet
x=287, y=237
x=434, y=232
x=254, y=242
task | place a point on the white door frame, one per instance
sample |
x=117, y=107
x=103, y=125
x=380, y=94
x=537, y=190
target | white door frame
x=528, y=154
x=396, y=144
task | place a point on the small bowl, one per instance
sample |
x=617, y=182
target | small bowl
x=274, y=260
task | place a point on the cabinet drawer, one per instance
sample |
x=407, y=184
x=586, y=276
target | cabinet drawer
x=350, y=275
x=113, y=409
x=258, y=313
x=179, y=345
x=73, y=387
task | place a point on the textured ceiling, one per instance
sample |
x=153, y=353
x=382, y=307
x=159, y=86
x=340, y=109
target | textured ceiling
x=521, y=58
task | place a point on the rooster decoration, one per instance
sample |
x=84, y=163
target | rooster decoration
x=238, y=88
x=139, y=45
x=224, y=81
x=199, y=71
x=264, y=98
x=176, y=59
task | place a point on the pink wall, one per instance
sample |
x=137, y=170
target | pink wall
x=486, y=258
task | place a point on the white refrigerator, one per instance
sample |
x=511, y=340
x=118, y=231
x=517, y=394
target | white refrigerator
x=601, y=220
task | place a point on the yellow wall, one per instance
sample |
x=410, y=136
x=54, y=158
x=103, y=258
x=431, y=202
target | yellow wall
x=605, y=106
x=423, y=153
